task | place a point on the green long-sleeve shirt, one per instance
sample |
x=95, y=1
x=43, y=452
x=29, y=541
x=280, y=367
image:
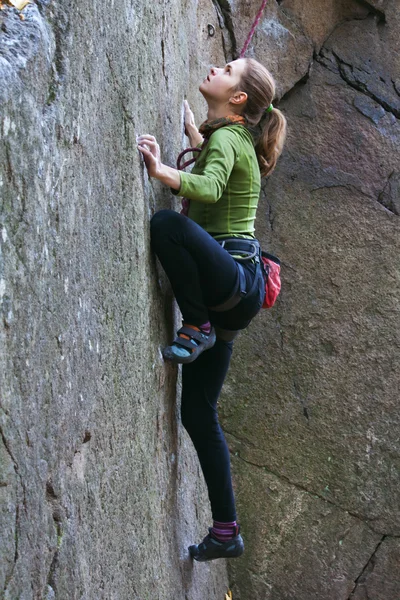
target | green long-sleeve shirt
x=224, y=185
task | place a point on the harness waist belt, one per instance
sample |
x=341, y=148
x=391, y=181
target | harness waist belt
x=250, y=248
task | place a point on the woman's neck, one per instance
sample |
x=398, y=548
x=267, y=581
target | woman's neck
x=219, y=112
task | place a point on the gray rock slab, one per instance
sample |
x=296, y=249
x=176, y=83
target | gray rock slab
x=101, y=492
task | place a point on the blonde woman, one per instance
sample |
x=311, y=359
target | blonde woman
x=212, y=259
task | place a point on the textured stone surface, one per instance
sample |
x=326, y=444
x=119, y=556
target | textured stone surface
x=298, y=539
x=316, y=408
x=100, y=489
x=288, y=33
x=380, y=579
x=318, y=20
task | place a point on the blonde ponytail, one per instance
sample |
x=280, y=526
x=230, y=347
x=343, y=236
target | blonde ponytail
x=270, y=143
x=259, y=85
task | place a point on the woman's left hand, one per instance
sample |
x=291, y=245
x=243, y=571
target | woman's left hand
x=151, y=155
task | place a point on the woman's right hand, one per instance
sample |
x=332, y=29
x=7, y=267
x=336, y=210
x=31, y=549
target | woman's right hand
x=190, y=125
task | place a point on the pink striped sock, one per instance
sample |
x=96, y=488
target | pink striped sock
x=206, y=327
x=224, y=531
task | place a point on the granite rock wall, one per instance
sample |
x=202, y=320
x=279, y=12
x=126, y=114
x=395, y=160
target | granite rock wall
x=100, y=489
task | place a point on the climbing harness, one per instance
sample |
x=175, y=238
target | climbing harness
x=245, y=250
x=241, y=249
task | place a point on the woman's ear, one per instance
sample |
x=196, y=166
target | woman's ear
x=239, y=98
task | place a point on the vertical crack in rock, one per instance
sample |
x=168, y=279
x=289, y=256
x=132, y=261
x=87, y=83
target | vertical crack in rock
x=8, y=166
x=17, y=515
x=300, y=82
x=163, y=46
x=389, y=197
x=117, y=88
x=270, y=216
x=326, y=59
x=60, y=29
x=223, y=7
x=303, y=402
x=51, y=577
x=367, y=569
x=58, y=514
x=163, y=58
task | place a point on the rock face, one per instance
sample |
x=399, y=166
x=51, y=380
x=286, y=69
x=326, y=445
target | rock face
x=313, y=420
x=100, y=489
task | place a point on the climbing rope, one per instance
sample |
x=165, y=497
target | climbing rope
x=246, y=45
x=252, y=30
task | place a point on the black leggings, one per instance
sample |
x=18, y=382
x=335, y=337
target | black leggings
x=203, y=274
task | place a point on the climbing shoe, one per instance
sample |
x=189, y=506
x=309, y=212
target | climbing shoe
x=210, y=548
x=190, y=342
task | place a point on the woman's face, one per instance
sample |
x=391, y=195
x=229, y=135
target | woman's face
x=220, y=81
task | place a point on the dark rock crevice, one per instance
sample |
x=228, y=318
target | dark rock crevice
x=223, y=8
x=16, y=468
x=373, y=10
x=59, y=515
x=303, y=401
x=389, y=197
x=59, y=23
x=367, y=568
x=294, y=89
x=326, y=59
x=360, y=80
x=9, y=576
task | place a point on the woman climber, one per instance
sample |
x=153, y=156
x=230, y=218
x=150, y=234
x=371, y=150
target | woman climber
x=212, y=260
